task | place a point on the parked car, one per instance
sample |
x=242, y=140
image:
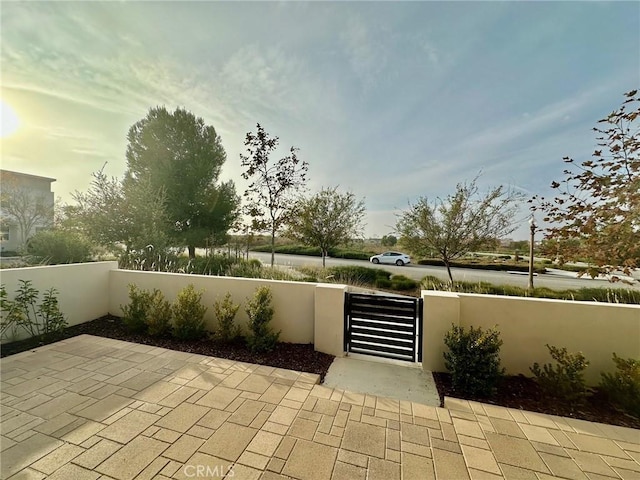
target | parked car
x=396, y=258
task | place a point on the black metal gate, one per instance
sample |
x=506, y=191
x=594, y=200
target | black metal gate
x=383, y=326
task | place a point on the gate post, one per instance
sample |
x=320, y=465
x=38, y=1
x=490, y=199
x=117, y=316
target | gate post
x=328, y=328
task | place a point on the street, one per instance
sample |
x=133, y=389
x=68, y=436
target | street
x=417, y=272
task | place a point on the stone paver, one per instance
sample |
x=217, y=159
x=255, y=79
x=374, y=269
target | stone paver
x=96, y=408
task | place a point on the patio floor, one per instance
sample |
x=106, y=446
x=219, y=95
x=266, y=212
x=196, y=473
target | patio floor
x=90, y=407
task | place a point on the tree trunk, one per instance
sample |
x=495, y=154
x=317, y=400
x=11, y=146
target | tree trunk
x=192, y=251
x=324, y=257
x=273, y=247
x=446, y=263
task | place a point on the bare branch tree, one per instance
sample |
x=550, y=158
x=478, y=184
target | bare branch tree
x=24, y=207
x=458, y=224
x=273, y=185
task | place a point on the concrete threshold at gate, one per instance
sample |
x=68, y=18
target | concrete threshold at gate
x=382, y=377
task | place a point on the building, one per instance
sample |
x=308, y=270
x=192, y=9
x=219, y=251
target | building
x=26, y=206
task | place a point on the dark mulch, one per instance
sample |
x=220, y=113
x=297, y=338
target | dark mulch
x=523, y=393
x=292, y=356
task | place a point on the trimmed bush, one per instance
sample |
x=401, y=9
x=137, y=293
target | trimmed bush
x=225, y=311
x=188, y=314
x=565, y=380
x=473, y=359
x=159, y=315
x=261, y=338
x=135, y=313
x=622, y=388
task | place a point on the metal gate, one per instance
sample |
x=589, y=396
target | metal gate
x=383, y=326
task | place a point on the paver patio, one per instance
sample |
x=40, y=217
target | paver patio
x=96, y=408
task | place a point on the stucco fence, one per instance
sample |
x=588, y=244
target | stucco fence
x=526, y=325
x=313, y=313
x=304, y=312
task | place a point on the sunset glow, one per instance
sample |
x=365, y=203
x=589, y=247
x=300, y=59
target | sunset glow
x=9, y=122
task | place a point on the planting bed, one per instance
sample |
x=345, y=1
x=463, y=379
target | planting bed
x=523, y=393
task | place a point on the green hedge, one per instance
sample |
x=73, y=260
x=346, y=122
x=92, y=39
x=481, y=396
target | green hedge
x=605, y=295
x=315, y=251
x=503, y=267
x=353, y=274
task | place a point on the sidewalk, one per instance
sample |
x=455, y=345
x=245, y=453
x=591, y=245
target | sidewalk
x=96, y=408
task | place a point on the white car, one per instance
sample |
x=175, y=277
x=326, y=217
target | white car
x=394, y=258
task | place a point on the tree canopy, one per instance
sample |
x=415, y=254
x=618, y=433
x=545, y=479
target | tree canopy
x=327, y=219
x=458, y=224
x=273, y=186
x=598, y=201
x=23, y=207
x=112, y=214
x=177, y=152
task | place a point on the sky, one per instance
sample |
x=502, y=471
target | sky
x=389, y=100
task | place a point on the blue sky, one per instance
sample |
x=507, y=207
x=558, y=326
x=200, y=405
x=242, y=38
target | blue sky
x=391, y=101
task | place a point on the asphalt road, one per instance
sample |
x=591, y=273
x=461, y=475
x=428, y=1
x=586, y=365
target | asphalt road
x=417, y=272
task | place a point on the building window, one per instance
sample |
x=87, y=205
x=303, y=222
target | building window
x=4, y=236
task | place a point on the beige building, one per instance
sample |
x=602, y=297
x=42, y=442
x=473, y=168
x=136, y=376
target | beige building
x=26, y=206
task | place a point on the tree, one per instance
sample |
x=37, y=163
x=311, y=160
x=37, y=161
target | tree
x=178, y=153
x=598, y=201
x=389, y=240
x=273, y=186
x=326, y=220
x=463, y=222
x=113, y=214
x=25, y=207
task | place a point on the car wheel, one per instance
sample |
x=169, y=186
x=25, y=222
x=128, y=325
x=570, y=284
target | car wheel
x=375, y=260
x=400, y=263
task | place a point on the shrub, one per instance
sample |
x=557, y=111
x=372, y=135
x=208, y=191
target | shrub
x=209, y=265
x=400, y=282
x=23, y=312
x=382, y=283
x=136, y=312
x=244, y=269
x=159, y=314
x=608, y=295
x=188, y=314
x=473, y=359
x=357, y=275
x=623, y=387
x=565, y=380
x=59, y=246
x=261, y=338
x=52, y=321
x=225, y=311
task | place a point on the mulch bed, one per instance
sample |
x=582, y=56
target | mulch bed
x=513, y=391
x=292, y=356
x=523, y=393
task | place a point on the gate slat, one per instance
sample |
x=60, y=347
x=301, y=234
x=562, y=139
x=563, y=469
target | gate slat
x=381, y=339
x=356, y=315
x=375, y=324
